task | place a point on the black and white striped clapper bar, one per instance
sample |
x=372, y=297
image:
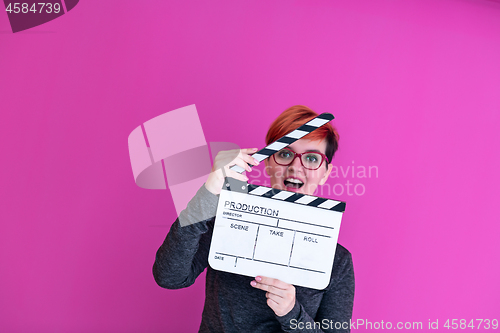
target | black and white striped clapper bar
x=297, y=198
x=290, y=236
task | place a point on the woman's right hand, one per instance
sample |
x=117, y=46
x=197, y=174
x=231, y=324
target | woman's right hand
x=226, y=159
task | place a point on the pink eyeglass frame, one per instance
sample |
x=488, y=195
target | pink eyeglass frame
x=323, y=158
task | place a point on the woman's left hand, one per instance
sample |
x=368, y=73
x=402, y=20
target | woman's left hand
x=280, y=295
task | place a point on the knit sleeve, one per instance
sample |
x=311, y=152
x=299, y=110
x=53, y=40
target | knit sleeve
x=184, y=253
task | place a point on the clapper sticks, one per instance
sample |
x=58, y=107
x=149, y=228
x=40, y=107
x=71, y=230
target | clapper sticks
x=281, y=234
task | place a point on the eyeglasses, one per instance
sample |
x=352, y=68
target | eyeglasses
x=310, y=160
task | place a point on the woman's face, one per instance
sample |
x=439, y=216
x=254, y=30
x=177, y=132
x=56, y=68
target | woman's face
x=295, y=177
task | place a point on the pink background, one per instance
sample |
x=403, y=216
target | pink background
x=414, y=86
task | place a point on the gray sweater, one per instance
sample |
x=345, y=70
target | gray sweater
x=231, y=303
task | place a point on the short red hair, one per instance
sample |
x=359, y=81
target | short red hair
x=296, y=116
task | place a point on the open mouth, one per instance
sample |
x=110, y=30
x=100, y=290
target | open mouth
x=293, y=183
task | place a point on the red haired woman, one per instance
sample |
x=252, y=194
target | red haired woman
x=236, y=303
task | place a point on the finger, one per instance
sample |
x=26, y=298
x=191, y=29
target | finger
x=273, y=282
x=276, y=291
x=249, y=150
x=240, y=162
x=272, y=304
x=271, y=290
x=260, y=286
x=248, y=159
x=226, y=156
x=274, y=297
x=231, y=157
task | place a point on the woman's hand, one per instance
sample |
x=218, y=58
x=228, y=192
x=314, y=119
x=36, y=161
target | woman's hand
x=226, y=159
x=280, y=295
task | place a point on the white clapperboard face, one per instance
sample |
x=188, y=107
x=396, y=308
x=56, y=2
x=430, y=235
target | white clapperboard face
x=281, y=234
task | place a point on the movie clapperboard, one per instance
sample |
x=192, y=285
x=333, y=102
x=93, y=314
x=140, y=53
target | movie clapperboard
x=281, y=234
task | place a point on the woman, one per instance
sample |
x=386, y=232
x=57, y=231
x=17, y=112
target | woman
x=236, y=303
